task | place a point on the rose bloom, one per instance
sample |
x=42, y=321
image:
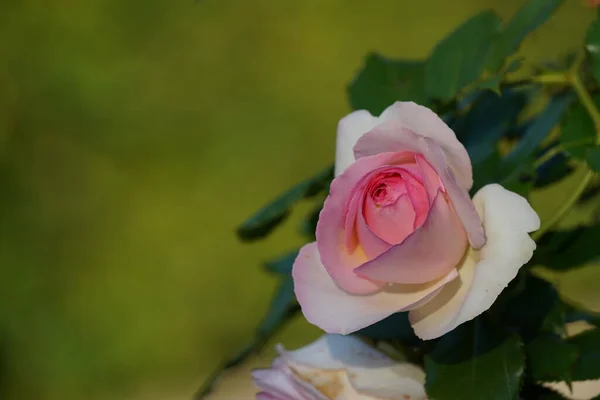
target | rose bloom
x=399, y=232
x=337, y=367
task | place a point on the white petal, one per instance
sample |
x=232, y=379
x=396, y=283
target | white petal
x=364, y=372
x=349, y=130
x=507, y=219
x=335, y=311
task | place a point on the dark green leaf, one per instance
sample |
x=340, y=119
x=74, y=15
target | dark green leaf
x=459, y=58
x=486, y=171
x=475, y=361
x=564, y=250
x=282, y=265
x=592, y=44
x=553, y=170
x=488, y=120
x=282, y=308
x=588, y=364
x=382, y=81
x=530, y=307
x=593, y=158
x=271, y=215
x=577, y=131
x=521, y=180
x=513, y=163
x=550, y=358
x=533, y=14
x=396, y=326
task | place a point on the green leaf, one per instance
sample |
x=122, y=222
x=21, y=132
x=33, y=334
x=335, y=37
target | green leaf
x=532, y=15
x=592, y=45
x=521, y=155
x=488, y=120
x=588, y=364
x=577, y=131
x=568, y=249
x=394, y=327
x=492, y=84
x=271, y=215
x=459, y=58
x=529, y=306
x=593, y=158
x=382, y=81
x=551, y=358
x=475, y=361
x=514, y=66
x=282, y=265
x=553, y=170
x=283, y=307
x=575, y=314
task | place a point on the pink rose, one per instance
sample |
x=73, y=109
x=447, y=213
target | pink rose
x=399, y=232
x=338, y=367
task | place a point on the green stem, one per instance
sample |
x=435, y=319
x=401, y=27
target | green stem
x=572, y=78
x=551, y=78
x=586, y=100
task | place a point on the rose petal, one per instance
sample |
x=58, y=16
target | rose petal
x=366, y=369
x=425, y=122
x=395, y=137
x=429, y=253
x=332, y=236
x=332, y=309
x=431, y=179
x=373, y=245
x=392, y=223
x=508, y=218
x=349, y=129
x=278, y=383
x=459, y=196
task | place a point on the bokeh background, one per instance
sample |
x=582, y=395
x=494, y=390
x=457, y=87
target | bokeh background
x=136, y=135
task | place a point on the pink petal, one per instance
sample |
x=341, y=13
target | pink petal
x=431, y=180
x=460, y=197
x=372, y=244
x=392, y=223
x=332, y=309
x=484, y=273
x=333, y=238
x=394, y=137
x=425, y=122
x=429, y=253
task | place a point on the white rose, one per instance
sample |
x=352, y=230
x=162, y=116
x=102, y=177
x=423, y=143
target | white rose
x=337, y=367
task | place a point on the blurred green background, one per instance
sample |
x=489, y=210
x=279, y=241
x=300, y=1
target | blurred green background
x=134, y=136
